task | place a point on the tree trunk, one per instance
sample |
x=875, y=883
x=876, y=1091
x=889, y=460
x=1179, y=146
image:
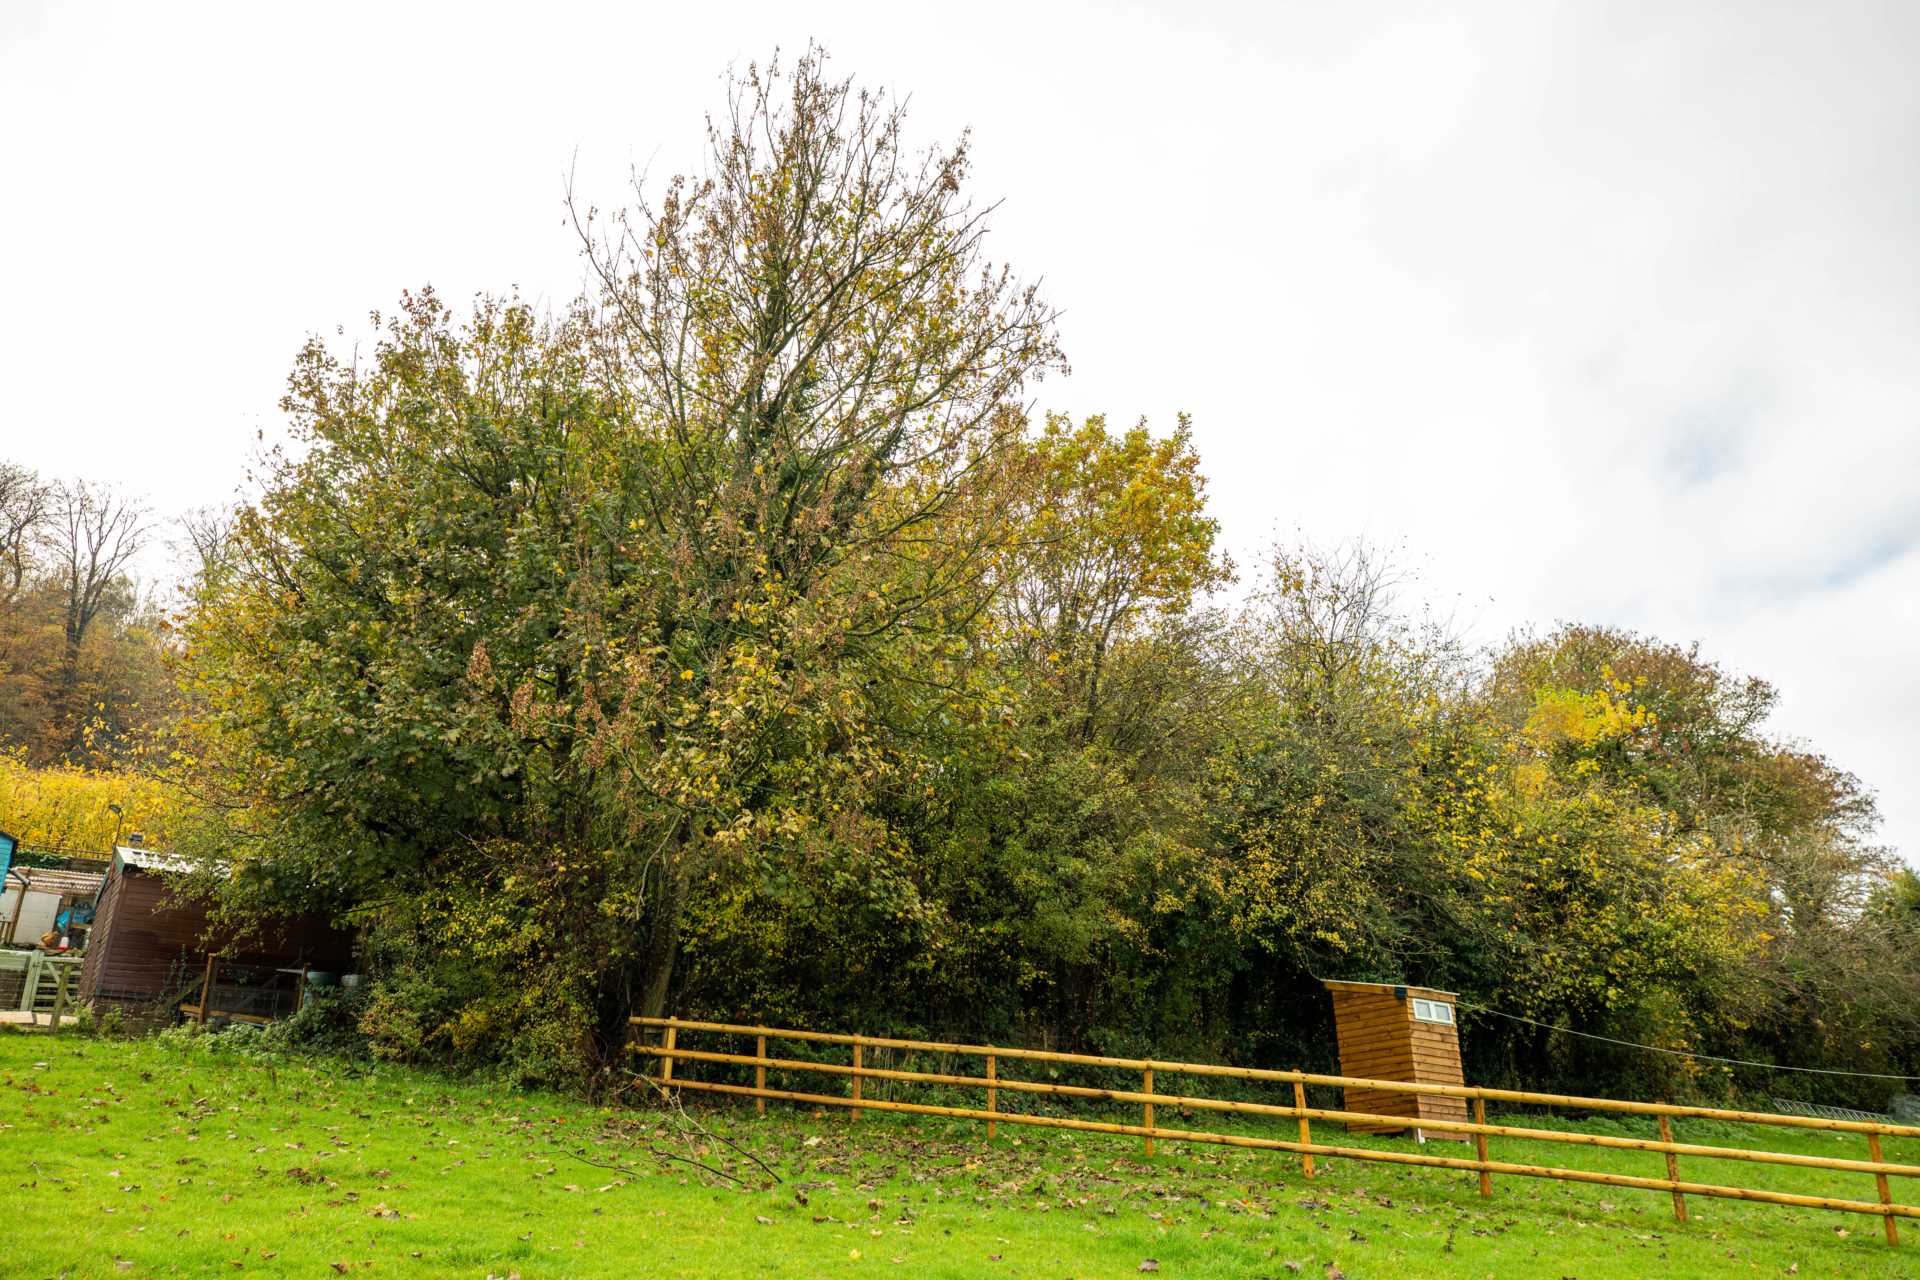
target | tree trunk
x=640, y=983
x=1088, y=723
x=69, y=709
x=663, y=951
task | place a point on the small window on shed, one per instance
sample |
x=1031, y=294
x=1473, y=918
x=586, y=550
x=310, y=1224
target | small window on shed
x=1432, y=1011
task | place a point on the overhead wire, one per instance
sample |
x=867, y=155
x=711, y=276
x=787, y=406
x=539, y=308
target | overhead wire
x=1682, y=1053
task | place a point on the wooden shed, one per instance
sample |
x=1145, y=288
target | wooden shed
x=149, y=952
x=1390, y=1032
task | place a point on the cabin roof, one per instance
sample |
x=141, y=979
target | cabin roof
x=1425, y=993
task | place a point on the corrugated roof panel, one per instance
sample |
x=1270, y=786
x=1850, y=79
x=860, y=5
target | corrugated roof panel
x=150, y=859
x=57, y=880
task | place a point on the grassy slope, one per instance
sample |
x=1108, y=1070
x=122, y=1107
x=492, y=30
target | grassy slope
x=134, y=1158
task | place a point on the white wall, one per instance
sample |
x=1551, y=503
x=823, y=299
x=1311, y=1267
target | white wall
x=36, y=916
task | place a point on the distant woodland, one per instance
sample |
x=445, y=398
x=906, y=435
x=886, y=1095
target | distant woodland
x=741, y=640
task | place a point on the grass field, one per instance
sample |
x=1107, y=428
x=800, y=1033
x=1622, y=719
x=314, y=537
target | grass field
x=141, y=1158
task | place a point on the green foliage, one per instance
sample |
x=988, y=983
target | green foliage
x=327, y=1021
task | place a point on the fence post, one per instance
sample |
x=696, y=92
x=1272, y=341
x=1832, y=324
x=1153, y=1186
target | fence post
x=993, y=1094
x=206, y=988
x=30, y=985
x=1886, y=1196
x=1673, y=1171
x=854, y=1112
x=760, y=1075
x=59, y=993
x=1147, y=1076
x=1480, y=1146
x=1306, y=1130
x=666, y=1060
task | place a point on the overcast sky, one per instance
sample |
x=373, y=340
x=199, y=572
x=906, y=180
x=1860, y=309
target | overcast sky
x=1607, y=312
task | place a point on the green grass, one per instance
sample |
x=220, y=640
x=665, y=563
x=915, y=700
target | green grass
x=142, y=1158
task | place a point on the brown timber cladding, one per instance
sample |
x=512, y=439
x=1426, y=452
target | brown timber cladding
x=146, y=948
x=1380, y=1040
x=674, y=1057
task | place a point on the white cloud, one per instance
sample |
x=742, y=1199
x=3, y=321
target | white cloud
x=1607, y=311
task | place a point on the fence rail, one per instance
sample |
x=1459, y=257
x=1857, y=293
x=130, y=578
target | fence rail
x=669, y=1054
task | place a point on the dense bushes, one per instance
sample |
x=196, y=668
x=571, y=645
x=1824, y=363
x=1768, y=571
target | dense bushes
x=1540, y=847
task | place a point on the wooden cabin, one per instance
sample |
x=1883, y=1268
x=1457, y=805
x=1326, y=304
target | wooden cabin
x=1389, y=1032
x=150, y=955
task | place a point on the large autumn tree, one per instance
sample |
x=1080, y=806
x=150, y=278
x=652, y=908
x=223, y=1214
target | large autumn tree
x=547, y=622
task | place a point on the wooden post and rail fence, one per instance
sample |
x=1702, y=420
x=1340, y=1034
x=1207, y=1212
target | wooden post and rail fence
x=48, y=983
x=1152, y=1094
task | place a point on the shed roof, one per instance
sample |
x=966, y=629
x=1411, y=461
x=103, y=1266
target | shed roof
x=56, y=880
x=1425, y=993
x=144, y=859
